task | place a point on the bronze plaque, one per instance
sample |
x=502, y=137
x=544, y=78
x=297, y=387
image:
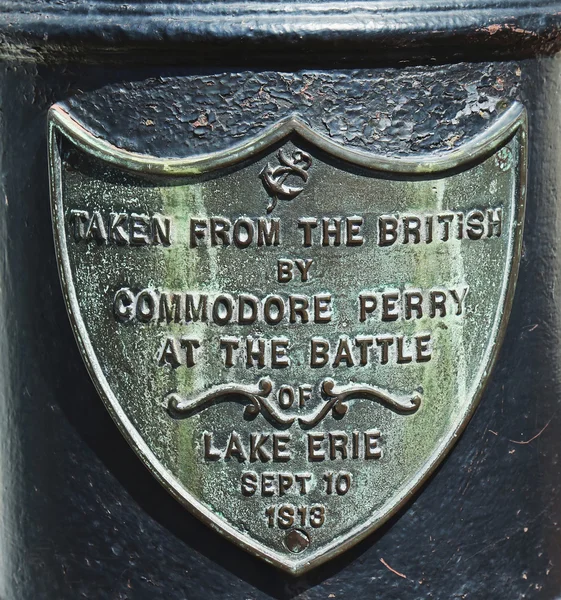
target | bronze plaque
x=291, y=334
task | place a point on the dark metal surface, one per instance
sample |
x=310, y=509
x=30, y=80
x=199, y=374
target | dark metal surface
x=395, y=111
x=81, y=517
x=298, y=31
x=191, y=418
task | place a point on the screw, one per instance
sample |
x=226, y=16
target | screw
x=296, y=540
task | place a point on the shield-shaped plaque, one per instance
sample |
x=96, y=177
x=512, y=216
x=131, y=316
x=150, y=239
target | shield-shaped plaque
x=290, y=333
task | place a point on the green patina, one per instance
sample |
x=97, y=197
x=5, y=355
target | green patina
x=462, y=345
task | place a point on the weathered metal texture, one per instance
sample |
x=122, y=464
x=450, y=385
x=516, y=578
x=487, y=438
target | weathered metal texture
x=81, y=517
x=410, y=110
x=292, y=31
x=255, y=386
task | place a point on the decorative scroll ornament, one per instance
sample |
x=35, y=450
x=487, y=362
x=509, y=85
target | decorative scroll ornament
x=338, y=396
x=257, y=402
x=255, y=397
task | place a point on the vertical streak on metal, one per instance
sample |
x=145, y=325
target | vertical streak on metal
x=543, y=231
x=8, y=458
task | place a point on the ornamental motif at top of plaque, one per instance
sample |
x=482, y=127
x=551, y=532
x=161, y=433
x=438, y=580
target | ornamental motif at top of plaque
x=276, y=179
x=290, y=333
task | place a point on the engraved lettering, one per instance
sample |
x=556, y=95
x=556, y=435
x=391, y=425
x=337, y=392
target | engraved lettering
x=299, y=306
x=402, y=357
x=364, y=343
x=315, y=451
x=189, y=346
x=162, y=306
x=389, y=311
x=411, y=230
x=257, y=447
x=161, y=230
x=255, y=352
x=339, y=483
x=384, y=343
x=288, y=269
x=222, y=309
x=331, y=229
x=275, y=484
x=235, y=449
x=123, y=305
x=268, y=232
x=476, y=224
x=240, y=233
x=413, y=302
x=280, y=451
x=229, y=345
x=196, y=309
x=146, y=306
x=410, y=304
x=334, y=231
x=169, y=355
x=286, y=516
x=303, y=265
x=423, y=348
x=338, y=445
x=279, y=356
x=117, y=229
x=268, y=484
x=273, y=310
x=459, y=298
x=79, y=220
x=220, y=231
x=495, y=222
x=368, y=305
x=120, y=228
x=303, y=479
x=304, y=394
x=387, y=231
x=256, y=451
x=371, y=448
x=284, y=270
x=320, y=352
x=197, y=231
x=307, y=224
x=210, y=453
x=247, y=309
x=96, y=228
x=347, y=352
x=354, y=235
x=343, y=354
x=243, y=233
x=322, y=308
x=285, y=396
x=249, y=483
x=438, y=303
x=170, y=308
x=445, y=221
